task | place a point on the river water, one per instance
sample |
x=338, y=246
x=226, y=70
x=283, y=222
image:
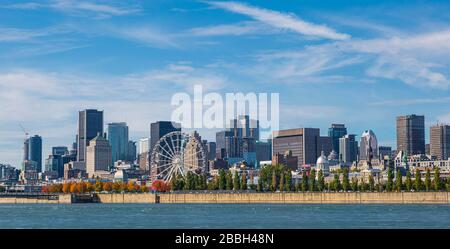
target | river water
x=223, y=216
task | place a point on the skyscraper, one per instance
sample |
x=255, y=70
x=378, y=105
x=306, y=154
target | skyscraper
x=336, y=131
x=305, y=143
x=90, y=123
x=60, y=150
x=440, y=141
x=98, y=155
x=35, y=151
x=411, y=134
x=118, y=139
x=348, y=148
x=161, y=128
x=368, y=148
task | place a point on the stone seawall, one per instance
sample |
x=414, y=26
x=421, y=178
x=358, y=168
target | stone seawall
x=247, y=198
x=62, y=199
x=310, y=198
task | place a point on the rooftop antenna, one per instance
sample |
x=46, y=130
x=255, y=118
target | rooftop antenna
x=24, y=131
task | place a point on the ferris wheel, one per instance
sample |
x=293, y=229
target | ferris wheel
x=177, y=153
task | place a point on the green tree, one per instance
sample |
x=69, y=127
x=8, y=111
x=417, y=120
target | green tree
x=417, y=180
x=281, y=187
x=390, y=178
x=312, y=180
x=274, y=181
x=244, y=181
x=362, y=185
x=398, y=181
x=259, y=188
x=236, y=181
x=297, y=187
x=345, y=181
x=371, y=183
x=304, y=181
x=288, y=181
x=320, y=181
x=222, y=179
x=408, y=183
x=437, y=180
x=229, y=178
x=354, y=184
x=336, y=182
x=428, y=180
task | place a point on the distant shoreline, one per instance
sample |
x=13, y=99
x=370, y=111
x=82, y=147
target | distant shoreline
x=243, y=198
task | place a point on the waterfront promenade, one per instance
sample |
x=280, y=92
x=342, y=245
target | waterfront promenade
x=246, y=198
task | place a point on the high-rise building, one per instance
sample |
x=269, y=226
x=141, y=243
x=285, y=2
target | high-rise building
x=440, y=141
x=211, y=149
x=60, y=150
x=98, y=155
x=384, y=151
x=348, y=148
x=131, y=151
x=238, y=141
x=411, y=134
x=368, y=148
x=161, y=128
x=26, y=147
x=90, y=123
x=144, y=145
x=335, y=132
x=263, y=151
x=305, y=143
x=54, y=163
x=35, y=151
x=118, y=139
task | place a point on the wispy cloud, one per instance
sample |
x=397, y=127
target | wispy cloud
x=415, y=101
x=142, y=34
x=242, y=28
x=281, y=20
x=99, y=10
x=16, y=34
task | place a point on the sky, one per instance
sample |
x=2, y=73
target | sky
x=361, y=63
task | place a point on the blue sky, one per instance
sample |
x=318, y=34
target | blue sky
x=355, y=62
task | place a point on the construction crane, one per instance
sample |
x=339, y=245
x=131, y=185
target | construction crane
x=24, y=131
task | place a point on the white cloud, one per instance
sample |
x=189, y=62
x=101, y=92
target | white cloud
x=74, y=7
x=143, y=34
x=243, y=28
x=281, y=20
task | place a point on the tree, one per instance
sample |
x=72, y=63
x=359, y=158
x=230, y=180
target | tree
x=428, y=180
x=229, y=180
x=73, y=188
x=66, y=188
x=160, y=186
x=144, y=189
x=304, y=181
x=288, y=182
x=398, y=181
x=437, y=180
x=312, y=180
x=130, y=187
x=259, y=188
x=244, y=181
x=274, y=180
x=297, y=187
x=345, y=182
x=107, y=186
x=222, y=179
x=371, y=183
x=354, y=184
x=98, y=186
x=320, y=181
x=117, y=187
x=390, y=178
x=282, y=182
x=137, y=188
x=362, y=185
x=336, y=182
x=408, y=183
x=417, y=180
x=89, y=187
x=236, y=181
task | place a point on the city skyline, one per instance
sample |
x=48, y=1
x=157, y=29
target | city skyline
x=128, y=59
